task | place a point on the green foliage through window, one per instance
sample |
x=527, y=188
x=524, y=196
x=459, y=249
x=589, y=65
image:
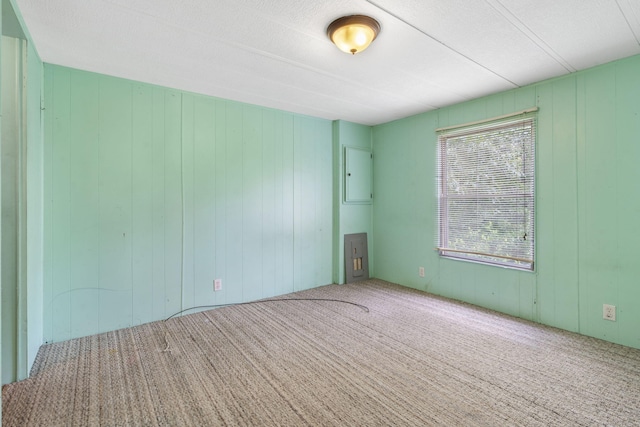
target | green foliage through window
x=486, y=188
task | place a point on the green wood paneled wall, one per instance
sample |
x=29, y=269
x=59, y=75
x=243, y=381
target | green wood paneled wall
x=24, y=325
x=22, y=207
x=587, y=205
x=34, y=209
x=2, y=380
x=12, y=179
x=151, y=194
x=349, y=218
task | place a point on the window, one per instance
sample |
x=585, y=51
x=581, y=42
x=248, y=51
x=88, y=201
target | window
x=486, y=183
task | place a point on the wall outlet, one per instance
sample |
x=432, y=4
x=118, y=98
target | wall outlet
x=421, y=271
x=609, y=312
x=217, y=284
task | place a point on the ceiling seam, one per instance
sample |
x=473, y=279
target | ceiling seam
x=624, y=15
x=388, y=12
x=530, y=34
x=290, y=103
x=272, y=56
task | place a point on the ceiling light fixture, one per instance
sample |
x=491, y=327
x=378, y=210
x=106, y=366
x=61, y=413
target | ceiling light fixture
x=353, y=34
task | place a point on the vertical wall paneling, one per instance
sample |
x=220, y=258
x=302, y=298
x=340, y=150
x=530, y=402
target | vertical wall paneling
x=220, y=252
x=58, y=307
x=598, y=241
x=563, y=191
x=2, y=381
x=142, y=204
x=234, y=214
x=627, y=124
x=278, y=232
x=586, y=201
x=269, y=202
x=157, y=193
x=304, y=207
x=47, y=264
x=324, y=160
x=157, y=299
x=173, y=202
x=252, y=220
x=608, y=198
x=114, y=204
x=35, y=206
x=324, y=218
x=299, y=244
x=350, y=218
x=22, y=197
x=84, y=205
x=336, y=182
x=544, y=205
x=582, y=194
x=187, y=168
x=322, y=157
x=392, y=226
x=287, y=237
x=426, y=170
x=204, y=200
x=12, y=202
x=318, y=230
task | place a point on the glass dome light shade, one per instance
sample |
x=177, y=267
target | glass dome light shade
x=353, y=34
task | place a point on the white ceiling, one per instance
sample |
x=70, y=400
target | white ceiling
x=275, y=53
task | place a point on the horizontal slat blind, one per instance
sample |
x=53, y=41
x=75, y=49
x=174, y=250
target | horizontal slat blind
x=486, y=192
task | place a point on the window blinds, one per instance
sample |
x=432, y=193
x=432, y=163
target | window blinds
x=486, y=186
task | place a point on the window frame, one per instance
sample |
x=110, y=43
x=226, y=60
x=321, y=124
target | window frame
x=528, y=224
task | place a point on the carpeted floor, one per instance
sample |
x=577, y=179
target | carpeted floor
x=412, y=359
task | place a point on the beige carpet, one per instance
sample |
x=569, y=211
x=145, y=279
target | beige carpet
x=413, y=359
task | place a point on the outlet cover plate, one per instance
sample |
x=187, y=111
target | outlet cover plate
x=421, y=271
x=609, y=312
x=217, y=284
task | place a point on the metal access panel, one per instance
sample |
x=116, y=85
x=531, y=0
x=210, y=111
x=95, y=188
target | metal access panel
x=356, y=257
